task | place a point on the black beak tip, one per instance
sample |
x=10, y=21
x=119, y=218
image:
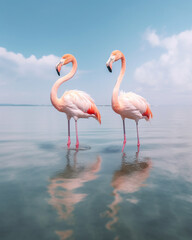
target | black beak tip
x=58, y=72
x=110, y=70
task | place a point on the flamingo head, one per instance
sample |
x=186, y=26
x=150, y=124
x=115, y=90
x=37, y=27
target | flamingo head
x=67, y=58
x=115, y=56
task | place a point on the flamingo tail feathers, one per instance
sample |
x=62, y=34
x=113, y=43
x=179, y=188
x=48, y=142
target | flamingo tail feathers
x=148, y=114
x=93, y=110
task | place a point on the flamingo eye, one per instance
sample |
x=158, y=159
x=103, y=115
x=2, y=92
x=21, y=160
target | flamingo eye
x=113, y=58
x=62, y=61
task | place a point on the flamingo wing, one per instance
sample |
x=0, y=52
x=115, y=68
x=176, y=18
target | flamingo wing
x=81, y=104
x=134, y=106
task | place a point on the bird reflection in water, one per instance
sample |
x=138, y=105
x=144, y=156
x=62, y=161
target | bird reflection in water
x=62, y=188
x=128, y=179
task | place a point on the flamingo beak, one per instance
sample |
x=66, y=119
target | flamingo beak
x=110, y=67
x=59, y=65
x=109, y=64
x=58, y=68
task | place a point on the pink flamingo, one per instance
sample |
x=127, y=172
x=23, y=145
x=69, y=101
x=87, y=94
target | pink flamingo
x=128, y=105
x=76, y=104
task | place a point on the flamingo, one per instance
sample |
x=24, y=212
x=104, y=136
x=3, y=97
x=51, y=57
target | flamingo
x=127, y=180
x=128, y=105
x=76, y=104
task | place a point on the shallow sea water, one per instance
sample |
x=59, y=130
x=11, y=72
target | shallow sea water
x=49, y=192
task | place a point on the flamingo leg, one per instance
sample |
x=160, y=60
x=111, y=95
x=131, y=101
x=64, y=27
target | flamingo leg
x=124, y=142
x=69, y=140
x=77, y=140
x=138, y=142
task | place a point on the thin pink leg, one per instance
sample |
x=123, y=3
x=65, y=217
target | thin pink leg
x=77, y=140
x=138, y=142
x=124, y=142
x=69, y=140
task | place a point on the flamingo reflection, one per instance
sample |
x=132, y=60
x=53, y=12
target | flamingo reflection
x=62, y=188
x=128, y=179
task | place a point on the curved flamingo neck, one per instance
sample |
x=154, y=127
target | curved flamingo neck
x=54, y=99
x=115, y=102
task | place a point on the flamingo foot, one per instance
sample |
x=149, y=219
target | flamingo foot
x=68, y=145
x=69, y=142
x=138, y=146
x=77, y=144
x=124, y=142
x=123, y=148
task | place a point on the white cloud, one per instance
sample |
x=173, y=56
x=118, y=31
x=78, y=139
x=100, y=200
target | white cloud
x=171, y=70
x=23, y=80
x=27, y=80
x=152, y=37
x=15, y=65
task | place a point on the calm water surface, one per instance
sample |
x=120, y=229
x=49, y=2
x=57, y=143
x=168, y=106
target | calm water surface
x=49, y=192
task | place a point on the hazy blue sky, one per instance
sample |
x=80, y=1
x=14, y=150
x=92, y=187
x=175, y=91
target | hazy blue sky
x=154, y=35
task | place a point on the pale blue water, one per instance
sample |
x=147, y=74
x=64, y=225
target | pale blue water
x=48, y=192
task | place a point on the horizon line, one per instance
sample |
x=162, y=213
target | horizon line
x=34, y=105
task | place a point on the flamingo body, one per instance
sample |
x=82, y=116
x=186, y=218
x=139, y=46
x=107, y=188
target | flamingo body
x=76, y=104
x=128, y=105
x=133, y=106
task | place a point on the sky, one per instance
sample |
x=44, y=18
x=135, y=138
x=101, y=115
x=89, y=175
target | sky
x=155, y=37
